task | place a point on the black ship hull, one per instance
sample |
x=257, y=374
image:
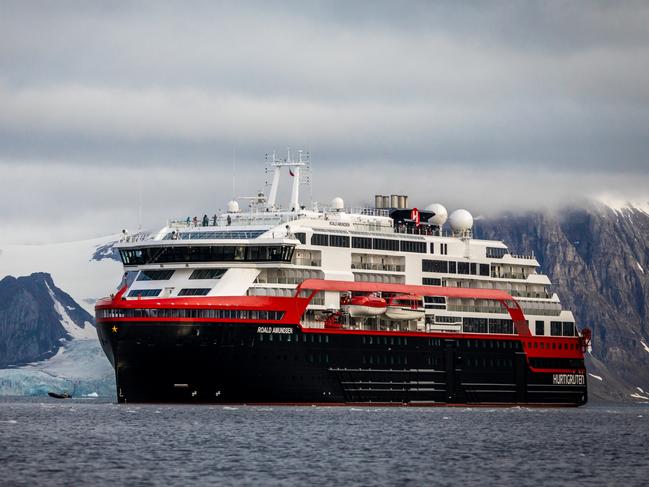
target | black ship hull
x=267, y=364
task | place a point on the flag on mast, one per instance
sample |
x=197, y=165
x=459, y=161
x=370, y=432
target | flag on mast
x=290, y=172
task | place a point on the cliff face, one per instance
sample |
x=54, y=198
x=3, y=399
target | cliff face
x=597, y=259
x=35, y=317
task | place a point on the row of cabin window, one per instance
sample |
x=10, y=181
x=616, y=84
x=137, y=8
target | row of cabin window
x=454, y=267
x=431, y=281
x=235, y=314
x=488, y=363
x=147, y=293
x=488, y=325
x=494, y=325
x=384, y=340
x=439, y=362
x=491, y=344
x=165, y=275
x=288, y=338
x=388, y=244
x=559, y=328
x=552, y=345
x=317, y=358
x=496, y=252
x=381, y=359
x=207, y=253
x=556, y=363
x=327, y=240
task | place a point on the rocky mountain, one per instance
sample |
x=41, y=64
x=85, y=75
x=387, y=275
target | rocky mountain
x=86, y=269
x=106, y=251
x=48, y=342
x=597, y=258
x=36, y=317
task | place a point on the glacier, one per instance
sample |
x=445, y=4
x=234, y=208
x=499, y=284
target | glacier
x=86, y=270
x=80, y=367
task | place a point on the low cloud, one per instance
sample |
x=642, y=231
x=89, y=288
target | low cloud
x=494, y=107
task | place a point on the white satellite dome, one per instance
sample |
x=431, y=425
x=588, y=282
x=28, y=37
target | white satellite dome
x=441, y=215
x=233, y=206
x=337, y=203
x=461, y=221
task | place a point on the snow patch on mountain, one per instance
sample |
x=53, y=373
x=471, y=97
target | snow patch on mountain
x=86, y=269
x=88, y=332
x=620, y=204
x=639, y=396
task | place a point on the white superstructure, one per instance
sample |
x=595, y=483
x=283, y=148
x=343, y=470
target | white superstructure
x=268, y=250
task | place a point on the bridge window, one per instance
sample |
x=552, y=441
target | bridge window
x=206, y=253
x=540, y=328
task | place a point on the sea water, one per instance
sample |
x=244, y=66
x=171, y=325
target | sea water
x=95, y=442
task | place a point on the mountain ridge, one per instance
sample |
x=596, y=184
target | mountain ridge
x=36, y=317
x=595, y=257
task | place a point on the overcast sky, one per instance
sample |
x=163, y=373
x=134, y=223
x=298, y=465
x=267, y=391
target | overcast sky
x=479, y=105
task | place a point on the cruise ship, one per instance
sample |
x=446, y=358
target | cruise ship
x=307, y=304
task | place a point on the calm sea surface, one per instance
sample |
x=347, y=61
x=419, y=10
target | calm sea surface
x=73, y=442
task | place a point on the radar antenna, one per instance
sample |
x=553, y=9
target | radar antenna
x=275, y=165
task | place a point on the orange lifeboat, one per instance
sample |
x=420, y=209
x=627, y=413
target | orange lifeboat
x=361, y=306
x=405, y=307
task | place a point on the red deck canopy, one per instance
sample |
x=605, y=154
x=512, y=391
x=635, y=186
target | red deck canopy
x=508, y=302
x=369, y=287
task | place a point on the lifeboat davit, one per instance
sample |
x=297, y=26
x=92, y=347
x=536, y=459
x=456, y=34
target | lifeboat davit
x=405, y=307
x=359, y=306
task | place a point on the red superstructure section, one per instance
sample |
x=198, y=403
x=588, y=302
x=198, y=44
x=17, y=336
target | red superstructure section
x=505, y=299
x=290, y=310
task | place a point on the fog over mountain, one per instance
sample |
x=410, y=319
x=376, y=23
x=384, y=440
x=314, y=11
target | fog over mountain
x=488, y=107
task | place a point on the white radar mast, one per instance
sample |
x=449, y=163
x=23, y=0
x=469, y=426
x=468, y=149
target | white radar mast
x=294, y=167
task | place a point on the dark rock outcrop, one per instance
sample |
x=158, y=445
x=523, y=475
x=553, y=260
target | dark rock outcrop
x=30, y=325
x=106, y=251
